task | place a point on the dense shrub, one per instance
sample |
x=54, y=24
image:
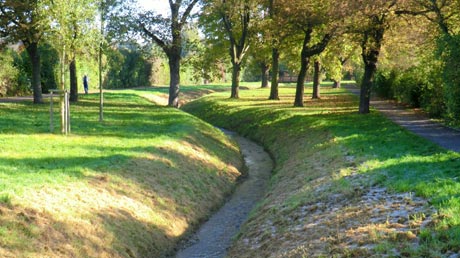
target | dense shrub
x=8, y=73
x=128, y=68
x=13, y=78
x=419, y=86
x=384, y=82
x=449, y=47
x=49, y=60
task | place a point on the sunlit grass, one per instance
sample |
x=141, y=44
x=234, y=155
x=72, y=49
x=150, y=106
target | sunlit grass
x=130, y=186
x=320, y=148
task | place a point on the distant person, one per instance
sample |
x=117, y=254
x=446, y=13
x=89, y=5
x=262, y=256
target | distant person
x=85, y=83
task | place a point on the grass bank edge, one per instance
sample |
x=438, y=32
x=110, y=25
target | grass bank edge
x=371, y=145
x=131, y=186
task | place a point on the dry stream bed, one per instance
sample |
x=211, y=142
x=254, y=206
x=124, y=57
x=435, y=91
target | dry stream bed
x=215, y=236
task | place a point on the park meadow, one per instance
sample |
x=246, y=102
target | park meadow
x=141, y=181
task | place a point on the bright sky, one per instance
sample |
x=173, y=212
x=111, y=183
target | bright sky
x=160, y=6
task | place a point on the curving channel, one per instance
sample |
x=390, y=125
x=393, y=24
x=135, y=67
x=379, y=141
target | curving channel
x=215, y=236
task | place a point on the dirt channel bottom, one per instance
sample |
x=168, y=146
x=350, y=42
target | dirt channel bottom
x=215, y=236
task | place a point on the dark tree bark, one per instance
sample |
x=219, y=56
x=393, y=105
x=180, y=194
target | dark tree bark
x=19, y=22
x=173, y=50
x=238, y=44
x=73, y=80
x=265, y=73
x=223, y=72
x=316, y=80
x=306, y=54
x=236, y=80
x=274, y=92
x=366, y=86
x=336, y=84
x=174, y=83
x=371, y=44
x=300, y=86
x=32, y=50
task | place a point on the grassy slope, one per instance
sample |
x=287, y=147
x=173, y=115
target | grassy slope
x=329, y=156
x=129, y=187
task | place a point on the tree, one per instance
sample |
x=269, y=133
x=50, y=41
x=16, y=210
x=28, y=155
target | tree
x=316, y=79
x=261, y=57
x=233, y=17
x=370, y=22
x=209, y=60
x=261, y=44
x=314, y=20
x=339, y=51
x=129, y=66
x=72, y=29
x=277, y=31
x=446, y=15
x=167, y=34
x=25, y=21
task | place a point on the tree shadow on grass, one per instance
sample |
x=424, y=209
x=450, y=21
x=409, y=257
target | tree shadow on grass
x=193, y=185
x=174, y=182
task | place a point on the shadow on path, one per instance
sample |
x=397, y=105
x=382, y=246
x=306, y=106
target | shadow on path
x=416, y=122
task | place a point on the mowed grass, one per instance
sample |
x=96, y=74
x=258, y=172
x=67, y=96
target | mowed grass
x=132, y=186
x=159, y=94
x=326, y=154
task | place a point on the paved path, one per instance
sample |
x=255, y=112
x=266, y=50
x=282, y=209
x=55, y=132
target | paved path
x=417, y=123
x=16, y=99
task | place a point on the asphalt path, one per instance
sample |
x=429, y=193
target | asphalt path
x=416, y=122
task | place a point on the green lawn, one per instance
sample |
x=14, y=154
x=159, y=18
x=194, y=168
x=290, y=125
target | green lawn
x=131, y=186
x=327, y=153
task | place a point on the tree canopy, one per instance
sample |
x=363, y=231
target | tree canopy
x=391, y=38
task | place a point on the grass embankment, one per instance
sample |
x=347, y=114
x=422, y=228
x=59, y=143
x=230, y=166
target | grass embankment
x=344, y=184
x=131, y=186
x=160, y=94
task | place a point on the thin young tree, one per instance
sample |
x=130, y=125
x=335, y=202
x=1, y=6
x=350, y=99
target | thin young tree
x=71, y=33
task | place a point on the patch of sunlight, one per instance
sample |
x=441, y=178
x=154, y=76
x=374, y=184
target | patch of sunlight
x=200, y=155
x=370, y=165
x=340, y=139
x=74, y=203
x=409, y=159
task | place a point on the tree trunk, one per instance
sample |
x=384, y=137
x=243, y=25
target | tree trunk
x=370, y=53
x=101, y=92
x=337, y=84
x=236, y=80
x=366, y=86
x=300, y=88
x=73, y=80
x=223, y=72
x=32, y=50
x=265, y=73
x=316, y=80
x=274, y=92
x=174, y=83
